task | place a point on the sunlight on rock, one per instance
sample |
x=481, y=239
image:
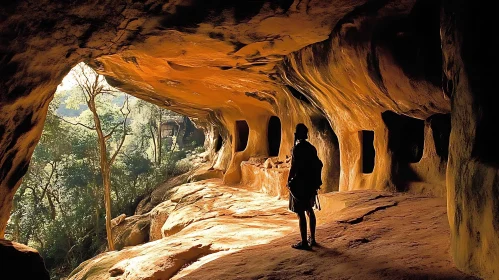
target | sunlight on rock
x=154, y=139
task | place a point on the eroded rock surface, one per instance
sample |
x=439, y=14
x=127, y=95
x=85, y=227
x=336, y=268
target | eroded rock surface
x=408, y=240
x=199, y=219
x=473, y=169
x=130, y=231
x=375, y=82
x=218, y=232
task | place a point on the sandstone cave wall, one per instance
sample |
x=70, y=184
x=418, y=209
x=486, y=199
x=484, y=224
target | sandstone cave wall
x=360, y=72
x=269, y=174
x=337, y=67
x=473, y=168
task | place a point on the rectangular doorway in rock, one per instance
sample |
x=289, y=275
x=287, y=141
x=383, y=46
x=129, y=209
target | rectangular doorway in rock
x=242, y=135
x=368, y=153
x=274, y=136
x=406, y=136
x=440, y=125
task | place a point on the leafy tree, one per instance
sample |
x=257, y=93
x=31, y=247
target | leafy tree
x=58, y=208
x=92, y=86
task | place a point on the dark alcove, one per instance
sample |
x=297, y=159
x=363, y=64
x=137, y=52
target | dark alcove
x=440, y=125
x=274, y=136
x=242, y=134
x=218, y=143
x=368, y=152
x=405, y=136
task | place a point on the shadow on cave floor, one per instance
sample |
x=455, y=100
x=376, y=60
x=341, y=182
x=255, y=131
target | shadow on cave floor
x=385, y=237
x=207, y=230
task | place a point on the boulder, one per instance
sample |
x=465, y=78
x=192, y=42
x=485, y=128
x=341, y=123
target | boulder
x=18, y=261
x=131, y=231
x=158, y=216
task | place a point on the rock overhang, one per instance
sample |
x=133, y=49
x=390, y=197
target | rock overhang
x=224, y=61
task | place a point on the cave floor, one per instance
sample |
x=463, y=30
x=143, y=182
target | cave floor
x=376, y=236
x=220, y=232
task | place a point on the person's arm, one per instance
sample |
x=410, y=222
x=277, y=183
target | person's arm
x=292, y=170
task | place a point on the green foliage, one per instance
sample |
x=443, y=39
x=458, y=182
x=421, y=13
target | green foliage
x=136, y=164
x=59, y=207
x=199, y=149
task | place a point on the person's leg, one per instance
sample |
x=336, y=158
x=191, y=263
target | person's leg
x=312, y=222
x=302, y=221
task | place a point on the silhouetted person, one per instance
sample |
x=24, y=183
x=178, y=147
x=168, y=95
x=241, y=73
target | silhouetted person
x=303, y=185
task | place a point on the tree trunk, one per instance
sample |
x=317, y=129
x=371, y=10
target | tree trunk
x=105, y=171
x=97, y=214
x=52, y=207
x=107, y=200
x=159, y=138
x=153, y=142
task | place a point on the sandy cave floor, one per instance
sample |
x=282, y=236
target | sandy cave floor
x=219, y=232
x=377, y=236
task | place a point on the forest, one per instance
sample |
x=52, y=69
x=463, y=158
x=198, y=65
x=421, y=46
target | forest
x=101, y=151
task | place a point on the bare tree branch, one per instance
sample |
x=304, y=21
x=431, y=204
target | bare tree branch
x=120, y=123
x=112, y=131
x=78, y=123
x=124, y=129
x=52, y=170
x=83, y=85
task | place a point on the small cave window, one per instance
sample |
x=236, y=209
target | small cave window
x=274, y=136
x=406, y=136
x=242, y=135
x=440, y=125
x=368, y=152
x=219, y=142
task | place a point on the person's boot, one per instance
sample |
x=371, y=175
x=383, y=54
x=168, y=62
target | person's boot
x=311, y=241
x=301, y=246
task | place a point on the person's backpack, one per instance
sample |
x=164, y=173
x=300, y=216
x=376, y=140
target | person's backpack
x=316, y=172
x=314, y=168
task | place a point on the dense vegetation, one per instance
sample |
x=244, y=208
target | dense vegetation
x=59, y=208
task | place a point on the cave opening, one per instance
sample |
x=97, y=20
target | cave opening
x=223, y=61
x=441, y=126
x=368, y=152
x=274, y=136
x=219, y=143
x=406, y=141
x=242, y=135
x=61, y=200
x=405, y=137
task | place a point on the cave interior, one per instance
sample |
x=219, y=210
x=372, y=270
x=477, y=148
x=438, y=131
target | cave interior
x=397, y=95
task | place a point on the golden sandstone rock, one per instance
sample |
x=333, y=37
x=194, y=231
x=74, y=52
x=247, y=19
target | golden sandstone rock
x=378, y=83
